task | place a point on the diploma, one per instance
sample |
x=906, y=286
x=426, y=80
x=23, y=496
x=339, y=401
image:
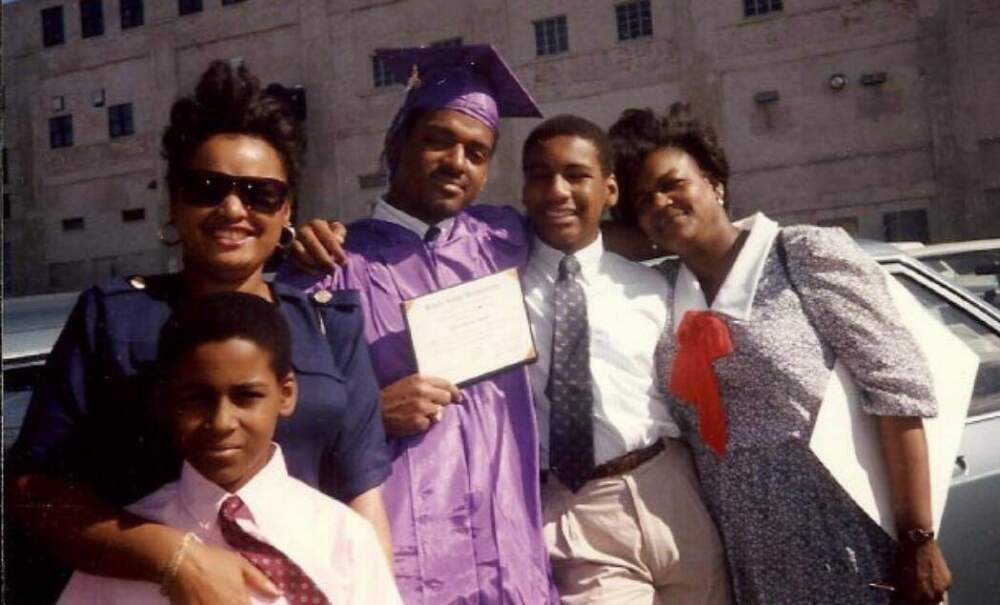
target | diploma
x=472, y=330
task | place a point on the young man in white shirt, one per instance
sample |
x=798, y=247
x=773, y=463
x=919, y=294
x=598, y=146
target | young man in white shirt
x=624, y=518
x=226, y=378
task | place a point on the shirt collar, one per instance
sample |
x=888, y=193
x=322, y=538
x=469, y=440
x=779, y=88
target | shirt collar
x=384, y=211
x=735, y=297
x=547, y=258
x=203, y=498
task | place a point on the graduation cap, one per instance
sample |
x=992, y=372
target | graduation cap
x=472, y=79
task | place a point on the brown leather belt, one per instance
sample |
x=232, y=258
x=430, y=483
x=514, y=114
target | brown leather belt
x=627, y=462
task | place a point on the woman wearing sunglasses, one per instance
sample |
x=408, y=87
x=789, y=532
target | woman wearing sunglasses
x=90, y=443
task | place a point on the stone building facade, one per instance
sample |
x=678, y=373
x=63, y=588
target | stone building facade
x=877, y=115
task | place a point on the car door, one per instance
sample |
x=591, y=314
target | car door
x=970, y=534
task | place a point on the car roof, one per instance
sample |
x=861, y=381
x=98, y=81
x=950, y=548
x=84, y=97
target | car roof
x=31, y=324
x=954, y=248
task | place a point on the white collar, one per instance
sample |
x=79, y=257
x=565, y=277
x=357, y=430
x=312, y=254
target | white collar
x=735, y=297
x=547, y=258
x=203, y=498
x=384, y=211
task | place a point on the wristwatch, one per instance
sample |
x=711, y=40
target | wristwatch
x=918, y=536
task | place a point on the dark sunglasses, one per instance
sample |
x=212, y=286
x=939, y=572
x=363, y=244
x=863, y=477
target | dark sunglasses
x=206, y=189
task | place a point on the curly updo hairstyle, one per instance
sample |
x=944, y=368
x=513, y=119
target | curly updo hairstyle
x=230, y=101
x=639, y=132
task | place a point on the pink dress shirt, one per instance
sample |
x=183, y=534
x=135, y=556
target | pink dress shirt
x=335, y=546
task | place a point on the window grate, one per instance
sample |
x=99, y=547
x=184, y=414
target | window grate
x=120, y=122
x=635, y=20
x=761, y=7
x=551, y=36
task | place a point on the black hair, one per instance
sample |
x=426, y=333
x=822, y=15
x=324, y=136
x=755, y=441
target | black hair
x=229, y=100
x=574, y=126
x=639, y=132
x=219, y=317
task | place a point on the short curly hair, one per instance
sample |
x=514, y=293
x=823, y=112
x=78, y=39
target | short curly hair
x=640, y=132
x=230, y=101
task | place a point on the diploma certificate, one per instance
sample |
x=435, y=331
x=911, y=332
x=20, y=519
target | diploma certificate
x=469, y=331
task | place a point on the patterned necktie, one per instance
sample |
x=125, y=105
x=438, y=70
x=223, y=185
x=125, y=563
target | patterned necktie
x=281, y=570
x=431, y=234
x=571, y=396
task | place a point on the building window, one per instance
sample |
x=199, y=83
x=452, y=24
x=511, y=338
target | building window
x=73, y=224
x=228, y=2
x=60, y=131
x=447, y=42
x=186, y=7
x=52, y=26
x=761, y=7
x=635, y=20
x=906, y=226
x=91, y=18
x=381, y=74
x=120, y=120
x=551, y=36
x=131, y=11
x=133, y=215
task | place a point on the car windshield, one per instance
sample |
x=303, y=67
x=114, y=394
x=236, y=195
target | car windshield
x=984, y=342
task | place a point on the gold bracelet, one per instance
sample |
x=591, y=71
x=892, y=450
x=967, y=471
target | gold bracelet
x=169, y=573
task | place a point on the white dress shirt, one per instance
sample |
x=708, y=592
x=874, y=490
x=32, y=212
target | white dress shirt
x=384, y=211
x=735, y=297
x=333, y=545
x=627, y=312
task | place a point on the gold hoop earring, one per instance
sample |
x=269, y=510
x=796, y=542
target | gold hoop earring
x=166, y=238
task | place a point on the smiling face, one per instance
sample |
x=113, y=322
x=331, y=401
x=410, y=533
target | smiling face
x=566, y=192
x=443, y=164
x=228, y=241
x=676, y=204
x=222, y=402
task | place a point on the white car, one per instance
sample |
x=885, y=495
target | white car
x=974, y=265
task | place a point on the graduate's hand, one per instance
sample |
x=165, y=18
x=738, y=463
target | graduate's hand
x=318, y=245
x=214, y=576
x=921, y=574
x=413, y=404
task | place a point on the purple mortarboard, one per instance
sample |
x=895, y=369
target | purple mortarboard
x=473, y=79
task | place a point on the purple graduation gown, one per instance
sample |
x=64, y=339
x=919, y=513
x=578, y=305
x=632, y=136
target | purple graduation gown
x=463, y=498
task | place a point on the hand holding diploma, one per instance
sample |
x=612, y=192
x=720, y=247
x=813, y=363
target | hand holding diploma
x=411, y=405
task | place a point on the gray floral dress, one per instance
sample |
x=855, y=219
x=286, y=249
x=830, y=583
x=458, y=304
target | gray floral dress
x=791, y=534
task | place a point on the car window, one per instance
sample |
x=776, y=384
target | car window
x=974, y=262
x=978, y=336
x=17, y=385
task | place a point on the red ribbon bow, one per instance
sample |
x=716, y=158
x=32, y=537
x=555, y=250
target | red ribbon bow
x=702, y=338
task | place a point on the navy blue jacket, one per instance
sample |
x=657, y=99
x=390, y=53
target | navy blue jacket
x=90, y=418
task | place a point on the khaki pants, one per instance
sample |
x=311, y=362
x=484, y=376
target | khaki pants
x=644, y=537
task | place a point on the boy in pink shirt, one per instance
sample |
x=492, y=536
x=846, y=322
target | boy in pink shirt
x=226, y=379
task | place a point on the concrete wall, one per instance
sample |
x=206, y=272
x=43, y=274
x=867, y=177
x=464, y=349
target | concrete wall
x=927, y=138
